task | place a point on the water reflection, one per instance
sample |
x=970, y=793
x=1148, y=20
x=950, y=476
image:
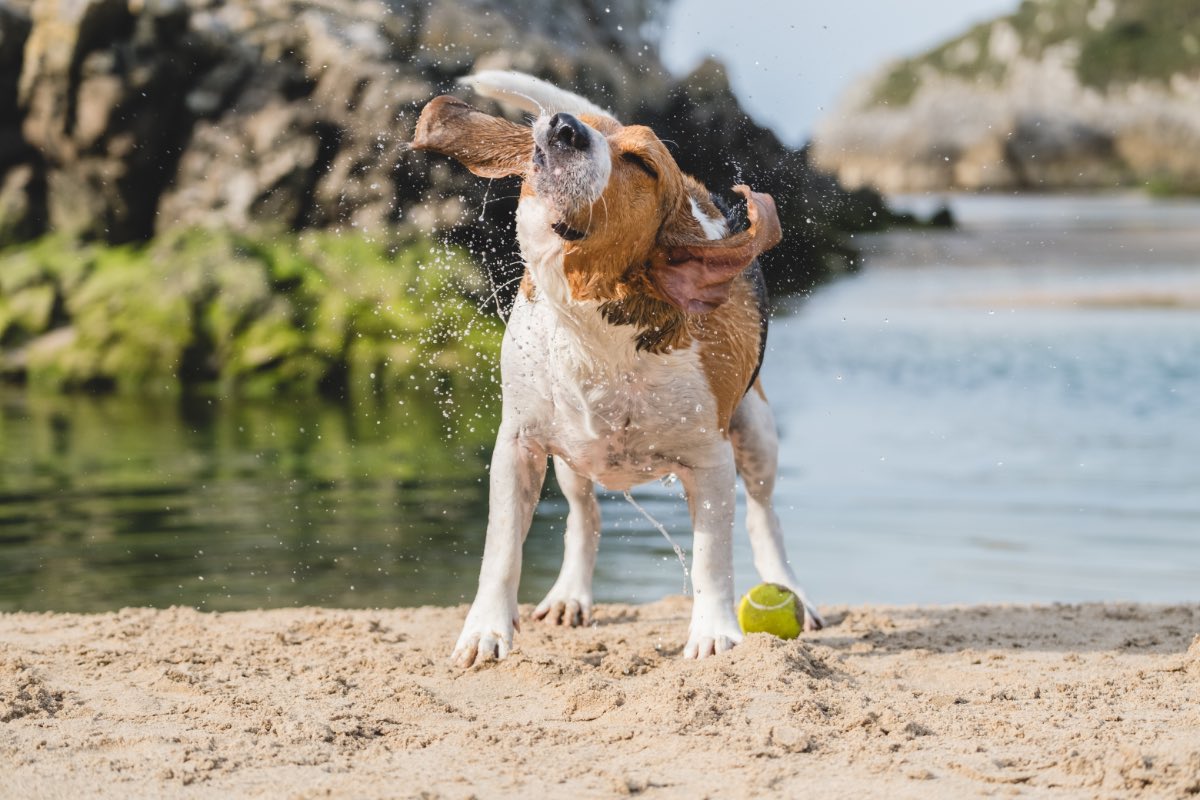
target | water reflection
x=1009, y=412
x=108, y=502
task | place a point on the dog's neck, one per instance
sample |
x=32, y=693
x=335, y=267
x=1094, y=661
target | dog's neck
x=657, y=326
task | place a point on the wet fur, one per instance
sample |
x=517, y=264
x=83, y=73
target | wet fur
x=607, y=366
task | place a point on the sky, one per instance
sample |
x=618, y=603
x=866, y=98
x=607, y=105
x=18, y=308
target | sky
x=790, y=60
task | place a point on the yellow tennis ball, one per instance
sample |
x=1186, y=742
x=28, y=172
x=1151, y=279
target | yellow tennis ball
x=771, y=608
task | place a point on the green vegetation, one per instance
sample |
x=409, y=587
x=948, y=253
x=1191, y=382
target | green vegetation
x=1141, y=40
x=1150, y=40
x=898, y=86
x=1168, y=185
x=245, y=315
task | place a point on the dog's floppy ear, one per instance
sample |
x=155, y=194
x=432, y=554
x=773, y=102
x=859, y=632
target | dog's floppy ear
x=696, y=277
x=489, y=146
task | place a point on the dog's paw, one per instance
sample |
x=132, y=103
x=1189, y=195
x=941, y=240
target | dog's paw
x=487, y=635
x=712, y=632
x=571, y=607
x=813, y=621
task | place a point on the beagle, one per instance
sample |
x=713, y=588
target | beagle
x=632, y=351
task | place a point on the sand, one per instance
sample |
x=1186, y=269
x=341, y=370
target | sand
x=1058, y=701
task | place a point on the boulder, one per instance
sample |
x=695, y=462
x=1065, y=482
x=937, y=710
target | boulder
x=99, y=93
x=135, y=117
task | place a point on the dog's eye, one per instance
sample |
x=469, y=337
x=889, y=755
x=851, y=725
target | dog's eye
x=640, y=163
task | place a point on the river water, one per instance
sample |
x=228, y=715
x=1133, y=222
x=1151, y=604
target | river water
x=1005, y=412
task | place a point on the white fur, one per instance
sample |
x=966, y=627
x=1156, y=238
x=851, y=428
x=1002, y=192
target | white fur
x=586, y=377
x=713, y=229
x=756, y=449
x=529, y=94
x=576, y=388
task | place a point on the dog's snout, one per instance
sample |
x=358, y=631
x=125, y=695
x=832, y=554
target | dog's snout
x=567, y=130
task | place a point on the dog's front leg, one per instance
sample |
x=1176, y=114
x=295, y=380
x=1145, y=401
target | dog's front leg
x=710, y=493
x=518, y=469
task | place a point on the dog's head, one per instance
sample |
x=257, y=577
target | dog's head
x=626, y=217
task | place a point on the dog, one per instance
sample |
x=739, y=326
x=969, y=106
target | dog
x=632, y=352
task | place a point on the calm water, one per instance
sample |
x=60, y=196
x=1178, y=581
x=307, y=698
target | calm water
x=1010, y=411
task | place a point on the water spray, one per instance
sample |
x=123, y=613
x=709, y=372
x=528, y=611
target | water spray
x=663, y=530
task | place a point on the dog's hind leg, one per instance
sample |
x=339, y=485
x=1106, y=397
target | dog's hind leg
x=569, y=601
x=756, y=451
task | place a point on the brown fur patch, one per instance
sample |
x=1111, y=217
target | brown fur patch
x=661, y=326
x=624, y=227
x=729, y=344
x=527, y=285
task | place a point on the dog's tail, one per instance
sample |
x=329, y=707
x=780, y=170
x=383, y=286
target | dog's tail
x=529, y=94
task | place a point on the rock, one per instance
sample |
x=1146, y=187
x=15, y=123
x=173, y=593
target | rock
x=99, y=89
x=22, y=198
x=20, y=190
x=14, y=30
x=136, y=117
x=1055, y=96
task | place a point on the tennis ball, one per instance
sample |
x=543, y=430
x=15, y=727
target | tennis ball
x=771, y=608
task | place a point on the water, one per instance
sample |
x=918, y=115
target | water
x=1009, y=412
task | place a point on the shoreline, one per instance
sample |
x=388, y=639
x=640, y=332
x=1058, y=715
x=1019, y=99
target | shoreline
x=958, y=701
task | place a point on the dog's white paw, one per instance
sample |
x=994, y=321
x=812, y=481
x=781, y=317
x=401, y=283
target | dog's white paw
x=487, y=635
x=565, y=606
x=713, y=631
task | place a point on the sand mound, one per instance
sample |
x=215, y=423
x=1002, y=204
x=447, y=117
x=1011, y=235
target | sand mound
x=1070, y=701
x=23, y=694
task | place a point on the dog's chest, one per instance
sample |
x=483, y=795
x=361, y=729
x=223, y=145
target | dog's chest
x=580, y=387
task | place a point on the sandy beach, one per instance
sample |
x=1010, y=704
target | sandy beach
x=1058, y=701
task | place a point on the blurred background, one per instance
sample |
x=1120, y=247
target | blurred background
x=248, y=341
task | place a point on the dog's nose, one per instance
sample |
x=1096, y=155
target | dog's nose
x=567, y=130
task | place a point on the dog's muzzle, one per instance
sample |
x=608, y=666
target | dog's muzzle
x=571, y=167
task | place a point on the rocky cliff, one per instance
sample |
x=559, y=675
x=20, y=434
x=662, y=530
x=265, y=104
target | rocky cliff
x=122, y=119
x=1062, y=94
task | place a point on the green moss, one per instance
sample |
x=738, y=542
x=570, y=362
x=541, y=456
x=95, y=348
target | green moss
x=247, y=315
x=26, y=312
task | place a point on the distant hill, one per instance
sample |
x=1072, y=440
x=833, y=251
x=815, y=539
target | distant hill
x=1062, y=94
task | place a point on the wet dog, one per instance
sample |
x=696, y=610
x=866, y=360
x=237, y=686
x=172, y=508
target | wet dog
x=632, y=352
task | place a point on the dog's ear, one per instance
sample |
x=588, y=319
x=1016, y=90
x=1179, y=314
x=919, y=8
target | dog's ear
x=696, y=277
x=489, y=146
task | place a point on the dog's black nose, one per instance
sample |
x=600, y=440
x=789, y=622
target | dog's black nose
x=567, y=130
